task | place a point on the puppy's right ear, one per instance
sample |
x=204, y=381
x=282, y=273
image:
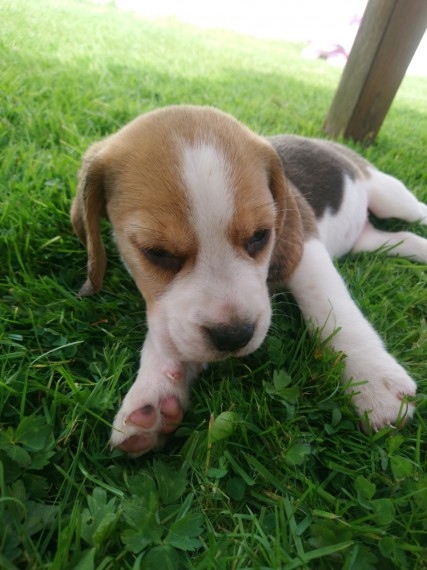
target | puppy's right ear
x=86, y=211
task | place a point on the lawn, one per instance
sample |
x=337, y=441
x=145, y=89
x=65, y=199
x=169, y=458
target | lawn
x=269, y=470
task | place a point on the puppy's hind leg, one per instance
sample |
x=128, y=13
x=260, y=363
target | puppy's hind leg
x=388, y=197
x=402, y=244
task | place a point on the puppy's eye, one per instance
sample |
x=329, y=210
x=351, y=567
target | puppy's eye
x=257, y=242
x=163, y=258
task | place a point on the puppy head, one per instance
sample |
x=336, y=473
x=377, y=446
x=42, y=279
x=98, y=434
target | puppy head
x=196, y=202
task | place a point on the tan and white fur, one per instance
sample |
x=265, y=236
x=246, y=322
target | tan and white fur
x=208, y=218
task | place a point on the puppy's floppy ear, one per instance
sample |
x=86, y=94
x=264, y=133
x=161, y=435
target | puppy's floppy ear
x=278, y=188
x=289, y=227
x=86, y=211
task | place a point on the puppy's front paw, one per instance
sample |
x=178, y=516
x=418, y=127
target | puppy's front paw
x=153, y=408
x=146, y=427
x=386, y=399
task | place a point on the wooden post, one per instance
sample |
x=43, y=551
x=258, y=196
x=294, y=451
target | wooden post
x=387, y=39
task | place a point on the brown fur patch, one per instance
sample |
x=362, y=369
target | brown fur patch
x=298, y=225
x=134, y=178
x=87, y=208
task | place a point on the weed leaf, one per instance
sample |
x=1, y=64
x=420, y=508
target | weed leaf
x=141, y=513
x=365, y=491
x=33, y=432
x=161, y=558
x=401, y=467
x=141, y=485
x=182, y=533
x=298, y=453
x=99, y=520
x=389, y=547
x=135, y=540
x=282, y=388
x=384, y=511
x=222, y=427
x=170, y=482
x=39, y=516
x=85, y=560
x=281, y=380
x=216, y=473
x=18, y=454
x=236, y=488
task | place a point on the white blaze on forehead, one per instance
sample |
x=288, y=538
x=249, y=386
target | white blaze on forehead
x=206, y=174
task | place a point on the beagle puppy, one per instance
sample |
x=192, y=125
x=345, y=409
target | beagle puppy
x=208, y=217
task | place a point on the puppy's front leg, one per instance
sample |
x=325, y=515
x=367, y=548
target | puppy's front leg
x=380, y=384
x=155, y=404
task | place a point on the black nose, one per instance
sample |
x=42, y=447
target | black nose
x=228, y=338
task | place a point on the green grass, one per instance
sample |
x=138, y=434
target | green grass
x=269, y=469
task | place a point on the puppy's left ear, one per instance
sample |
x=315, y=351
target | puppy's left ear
x=86, y=211
x=278, y=187
x=289, y=226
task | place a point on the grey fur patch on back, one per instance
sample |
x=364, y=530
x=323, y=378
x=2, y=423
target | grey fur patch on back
x=317, y=169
